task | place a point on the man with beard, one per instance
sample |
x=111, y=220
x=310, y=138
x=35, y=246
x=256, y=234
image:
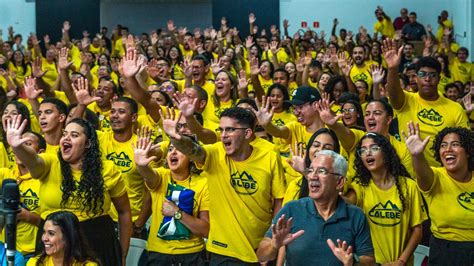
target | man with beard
x=246, y=186
x=407, y=57
x=383, y=25
x=196, y=74
x=361, y=68
x=460, y=68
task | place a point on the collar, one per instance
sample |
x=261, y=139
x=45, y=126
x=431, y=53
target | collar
x=339, y=213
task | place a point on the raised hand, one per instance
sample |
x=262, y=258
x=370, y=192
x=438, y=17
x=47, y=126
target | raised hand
x=252, y=18
x=216, y=66
x=37, y=68
x=265, y=112
x=324, y=109
x=14, y=128
x=141, y=150
x=392, y=53
x=343, y=251
x=467, y=102
x=170, y=122
x=81, y=90
x=249, y=42
x=129, y=63
x=31, y=90
x=300, y=64
x=345, y=64
x=66, y=26
x=286, y=23
x=413, y=140
x=130, y=42
x=63, y=64
x=377, y=73
x=243, y=81
x=274, y=47
x=297, y=158
x=185, y=104
x=187, y=68
x=46, y=39
x=254, y=67
x=281, y=232
x=170, y=25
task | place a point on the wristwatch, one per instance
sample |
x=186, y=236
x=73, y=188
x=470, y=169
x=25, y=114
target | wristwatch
x=178, y=215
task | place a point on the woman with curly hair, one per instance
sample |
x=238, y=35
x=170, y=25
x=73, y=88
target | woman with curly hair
x=77, y=180
x=63, y=242
x=389, y=199
x=449, y=192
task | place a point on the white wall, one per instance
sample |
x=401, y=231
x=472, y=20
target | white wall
x=19, y=14
x=353, y=13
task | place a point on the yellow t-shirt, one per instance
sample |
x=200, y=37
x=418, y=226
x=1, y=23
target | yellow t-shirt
x=439, y=34
x=209, y=87
x=75, y=57
x=118, y=48
x=385, y=27
x=212, y=113
x=282, y=56
x=389, y=222
x=7, y=158
x=3, y=84
x=291, y=88
x=293, y=190
x=96, y=50
x=51, y=72
x=20, y=72
x=443, y=81
x=463, y=72
x=104, y=117
x=281, y=119
x=158, y=192
x=121, y=154
x=451, y=207
x=298, y=135
x=178, y=72
x=264, y=83
x=48, y=261
x=241, y=199
x=51, y=194
x=29, y=199
x=52, y=149
x=363, y=73
x=432, y=116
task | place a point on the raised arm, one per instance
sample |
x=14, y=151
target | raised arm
x=183, y=143
x=63, y=66
x=416, y=147
x=143, y=158
x=264, y=116
x=254, y=72
x=15, y=128
x=392, y=55
x=378, y=73
x=32, y=93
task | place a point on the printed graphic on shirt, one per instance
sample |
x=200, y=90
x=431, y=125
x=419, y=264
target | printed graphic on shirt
x=466, y=200
x=30, y=200
x=387, y=214
x=278, y=122
x=122, y=160
x=104, y=122
x=361, y=76
x=243, y=183
x=301, y=145
x=218, y=111
x=430, y=117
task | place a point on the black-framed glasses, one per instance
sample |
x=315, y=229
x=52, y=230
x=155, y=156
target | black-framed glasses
x=422, y=74
x=230, y=129
x=320, y=171
x=181, y=125
x=372, y=150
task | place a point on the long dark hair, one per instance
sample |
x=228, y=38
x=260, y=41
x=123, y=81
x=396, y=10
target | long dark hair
x=304, y=190
x=76, y=248
x=90, y=189
x=284, y=91
x=25, y=114
x=391, y=161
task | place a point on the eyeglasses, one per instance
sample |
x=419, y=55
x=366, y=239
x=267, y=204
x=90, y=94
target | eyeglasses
x=181, y=125
x=230, y=129
x=320, y=171
x=363, y=152
x=167, y=88
x=348, y=110
x=422, y=74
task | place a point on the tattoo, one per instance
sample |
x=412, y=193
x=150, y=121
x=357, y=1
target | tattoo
x=190, y=148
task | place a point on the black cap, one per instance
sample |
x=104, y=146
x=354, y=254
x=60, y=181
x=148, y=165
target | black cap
x=305, y=94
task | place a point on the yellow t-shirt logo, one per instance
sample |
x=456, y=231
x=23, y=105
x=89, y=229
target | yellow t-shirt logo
x=122, y=160
x=243, y=183
x=30, y=200
x=466, y=200
x=387, y=214
x=430, y=117
x=278, y=122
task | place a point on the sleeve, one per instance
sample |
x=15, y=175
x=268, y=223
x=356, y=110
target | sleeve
x=363, y=241
x=48, y=161
x=417, y=208
x=358, y=134
x=159, y=172
x=436, y=175
x=114, y=181
x=462, y=120
x=278, y=179
x=359, y=191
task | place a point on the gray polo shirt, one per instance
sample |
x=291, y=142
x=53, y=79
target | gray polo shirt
x=348, y=223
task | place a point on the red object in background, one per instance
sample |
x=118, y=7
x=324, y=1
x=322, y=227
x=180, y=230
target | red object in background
x=316, y=24
x=304, y=24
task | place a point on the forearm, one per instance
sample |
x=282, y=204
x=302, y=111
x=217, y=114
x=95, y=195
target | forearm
x=78, y=111
x=304, y=76
x=257, y=87
x=424, y=173
x=145, y=211
x=350, y=85
x=197, y=226
x=395, y=92
x=277, y=206
x=34, y=106
x=66, y=86
x=189, y=148
x=266, y=251
x=204, y=135
x=152, y=179
x=344, y=134
x=365, y=261
x=413, y=241
x=276, y=131
x=376, y=91
x=30, y=159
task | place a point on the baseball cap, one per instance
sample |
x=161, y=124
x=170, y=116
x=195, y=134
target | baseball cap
x=304, y=94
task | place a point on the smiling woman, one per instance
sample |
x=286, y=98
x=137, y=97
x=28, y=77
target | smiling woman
x=64, y=242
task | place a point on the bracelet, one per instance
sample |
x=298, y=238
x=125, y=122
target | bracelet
x=137, y=229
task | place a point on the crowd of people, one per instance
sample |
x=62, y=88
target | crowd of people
x=270, y=148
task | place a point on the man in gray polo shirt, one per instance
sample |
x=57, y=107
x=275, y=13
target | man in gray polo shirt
x=321, y=229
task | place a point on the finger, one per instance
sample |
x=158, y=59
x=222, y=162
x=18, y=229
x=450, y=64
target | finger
x=331, y=244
